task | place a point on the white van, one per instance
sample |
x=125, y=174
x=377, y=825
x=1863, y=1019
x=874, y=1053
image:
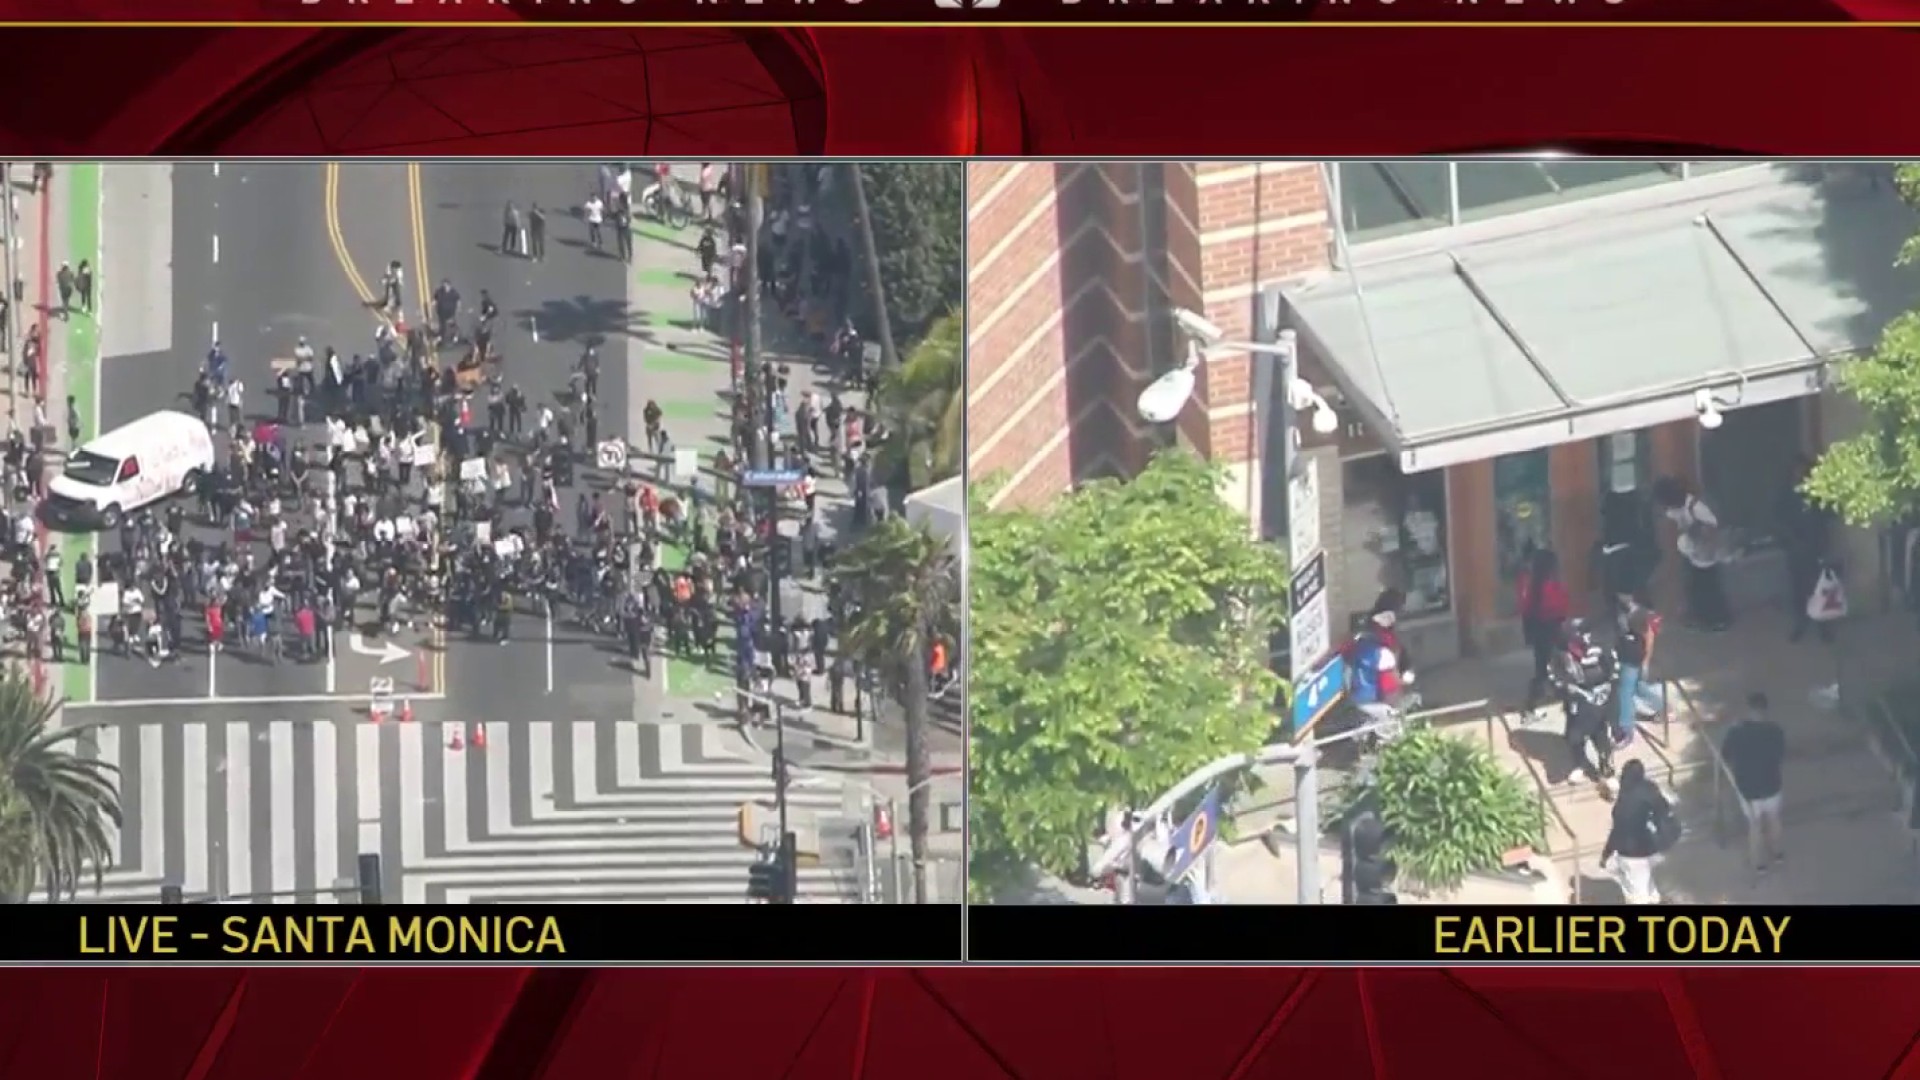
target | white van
x=129, y=467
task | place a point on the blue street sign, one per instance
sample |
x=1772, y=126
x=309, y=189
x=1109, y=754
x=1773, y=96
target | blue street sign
x=1194, y=836
x=774, y=478
x=1318, y=692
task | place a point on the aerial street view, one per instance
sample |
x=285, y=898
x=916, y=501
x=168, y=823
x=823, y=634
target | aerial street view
x=1425, y=532
x=481, y=533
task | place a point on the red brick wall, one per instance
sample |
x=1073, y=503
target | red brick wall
x=1060, y=285
x=1057, y=296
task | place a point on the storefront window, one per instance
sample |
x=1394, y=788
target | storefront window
x=1491, y=188
x=1379, y=199
x=1395, y=535
x=1626, y=462
x=1522, y=516
x=1746, y=465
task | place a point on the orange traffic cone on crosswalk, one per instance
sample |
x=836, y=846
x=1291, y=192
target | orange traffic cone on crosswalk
x=376, y=710
x=406, y=710
x=479, y=736
x=456, y=743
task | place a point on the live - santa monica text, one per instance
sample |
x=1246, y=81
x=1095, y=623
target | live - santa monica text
x=326, y=935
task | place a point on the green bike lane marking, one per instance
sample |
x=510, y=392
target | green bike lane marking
x=662, y=291
x=82, y=371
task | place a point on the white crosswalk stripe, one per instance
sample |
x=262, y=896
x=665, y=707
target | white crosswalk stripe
x=586, y=811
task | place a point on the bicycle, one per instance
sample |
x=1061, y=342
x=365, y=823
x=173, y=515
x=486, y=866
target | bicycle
x=667, y=203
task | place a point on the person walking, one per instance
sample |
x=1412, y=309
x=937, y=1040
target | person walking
x=1644, y=828
x=510, y=231
x=595, y=212
x=63, y=278
x=536, y=233
x=1702, y=548
x=83, y=285
x=1755, y=750
x=1544, y=606
x=1804, y=528
x=1636, y=628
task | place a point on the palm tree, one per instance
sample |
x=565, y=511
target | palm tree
x=870, y=251
x=70, y=803
x=923, y=402
x=903, y=585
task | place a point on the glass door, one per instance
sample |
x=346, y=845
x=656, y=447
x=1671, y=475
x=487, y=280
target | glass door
x=1522, y=517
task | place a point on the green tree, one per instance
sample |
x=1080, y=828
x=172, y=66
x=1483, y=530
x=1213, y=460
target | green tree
x=924, y=403
x=919, y=227
x=1449, y=807
x=72, y=803
x=1873, y=478
x=1118, y=640
x=903, y=584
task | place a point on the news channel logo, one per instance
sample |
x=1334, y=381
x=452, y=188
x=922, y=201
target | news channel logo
x=976, y=5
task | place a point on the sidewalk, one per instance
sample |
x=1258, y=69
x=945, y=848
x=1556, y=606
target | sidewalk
x=48, y=231
x=1845, y=830
x=685, y=370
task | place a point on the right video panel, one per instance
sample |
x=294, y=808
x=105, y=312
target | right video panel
x=1436, y=531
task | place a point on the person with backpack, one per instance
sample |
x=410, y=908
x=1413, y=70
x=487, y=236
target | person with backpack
x=1636, y=628
x=1755, y=750
x=1544, y=606
x=1582, y=674
x=1377, y=667
x=1702, y=548
x=1644, y=828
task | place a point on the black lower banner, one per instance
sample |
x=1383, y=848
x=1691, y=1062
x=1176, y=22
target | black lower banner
x=768, y=933
x=1331, y=934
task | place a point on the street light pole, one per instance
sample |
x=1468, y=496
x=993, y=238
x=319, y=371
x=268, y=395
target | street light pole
x=1162, y=402
x=11, y=331
x=787, y=853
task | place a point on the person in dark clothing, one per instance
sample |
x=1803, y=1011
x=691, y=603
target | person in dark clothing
x=1636, y=629
x=1643, y=828
x=1804, y=531
x=1755, y=750
x=1627, y=551
x=536, y=233
x=1582, y=673
x=1544, y=607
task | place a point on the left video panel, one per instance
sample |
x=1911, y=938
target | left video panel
x=482, y=533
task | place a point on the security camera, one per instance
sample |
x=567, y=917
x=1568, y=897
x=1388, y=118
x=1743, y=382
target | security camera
x=1707, y=410
x=1197, y=327
x=1164, y=398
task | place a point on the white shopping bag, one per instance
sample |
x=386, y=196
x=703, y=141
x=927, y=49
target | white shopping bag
x=1829, y=600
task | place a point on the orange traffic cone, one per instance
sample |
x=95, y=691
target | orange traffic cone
x=480, y=736
x=376, y=711
x=406, y=710
x=456, y=743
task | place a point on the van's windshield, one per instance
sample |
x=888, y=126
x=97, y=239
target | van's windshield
x=91, y=469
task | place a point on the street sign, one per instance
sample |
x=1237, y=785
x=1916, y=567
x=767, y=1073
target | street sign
x=1318, y=692
x=1194, y=836
x=1309, y=629
x=1303, y=511
x=611, y=454
x=773, y=478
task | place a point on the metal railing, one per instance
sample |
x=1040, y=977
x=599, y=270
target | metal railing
x=1720, y=772
x=1549, y=809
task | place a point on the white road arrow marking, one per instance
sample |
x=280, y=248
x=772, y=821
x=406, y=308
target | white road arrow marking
x=388, y=652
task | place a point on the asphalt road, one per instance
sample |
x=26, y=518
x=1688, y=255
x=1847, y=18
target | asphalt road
x=550, y=311
x=254, y=265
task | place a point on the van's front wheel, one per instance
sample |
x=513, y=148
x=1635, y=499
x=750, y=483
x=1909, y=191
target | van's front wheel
x=110, y=517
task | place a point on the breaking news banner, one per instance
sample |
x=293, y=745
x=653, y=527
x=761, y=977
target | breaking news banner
x=230, y=934
x=1450, y=935
x=928, y=12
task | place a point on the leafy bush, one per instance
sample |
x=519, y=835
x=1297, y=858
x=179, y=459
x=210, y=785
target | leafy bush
x=1450, y=808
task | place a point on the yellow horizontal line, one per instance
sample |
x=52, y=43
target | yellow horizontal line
x=938, y=23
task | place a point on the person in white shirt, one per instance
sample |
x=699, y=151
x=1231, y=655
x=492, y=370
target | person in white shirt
x=1702, y=549
x=595, y=212
x=236, y=400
